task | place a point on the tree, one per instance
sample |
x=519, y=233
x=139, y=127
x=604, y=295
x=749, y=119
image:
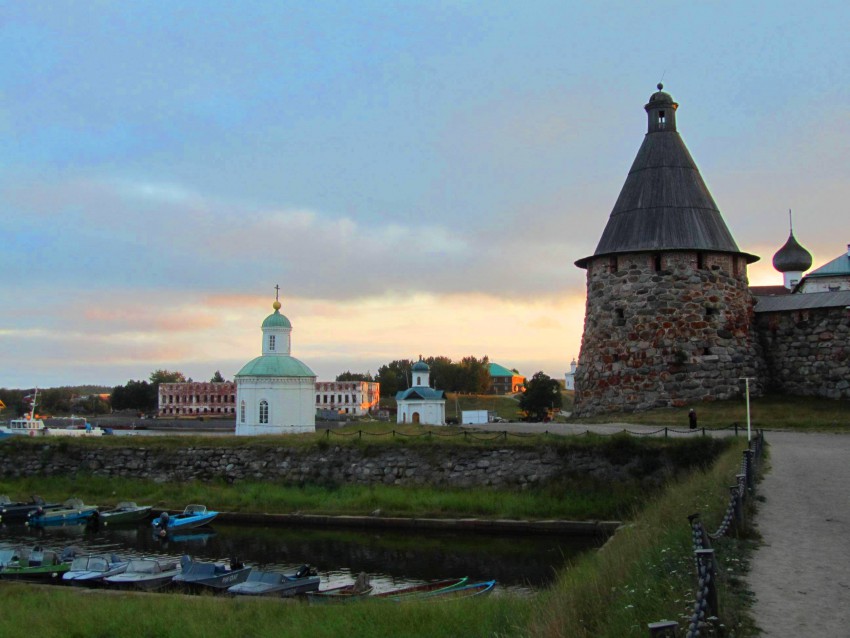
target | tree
x=394, y=376
x=354, y=376
x=166, y=376
x=542, y=394
x=135, y=395
x=217, y=378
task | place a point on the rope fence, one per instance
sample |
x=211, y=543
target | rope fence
x=705, y=562
x=504, y=435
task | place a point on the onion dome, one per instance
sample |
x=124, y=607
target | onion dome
x=792, y=257
x=276, y=320
x=420, y=366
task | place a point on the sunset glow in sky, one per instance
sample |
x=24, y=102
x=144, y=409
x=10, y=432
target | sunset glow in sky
x=418, y=177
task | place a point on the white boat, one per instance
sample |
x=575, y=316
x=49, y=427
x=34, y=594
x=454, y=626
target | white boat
x=146, y=573
x=29, y=425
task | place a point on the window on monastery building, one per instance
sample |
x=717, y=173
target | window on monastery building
x=242, y=412
x=700, y=261
x=333, y=396
x=318, y=397
x=264, y=411
x=662, y=119
x=346, y=400
x=612, y=264
x=340, y=398
x=271, y=342
x=656, y=262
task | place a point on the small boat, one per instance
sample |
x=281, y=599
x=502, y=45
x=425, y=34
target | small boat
x=147, y=574
x=36, y=565
x=192, y=516
x=31, y=425
x=218, y=576
x=415, y=591
x=8, y=556
x=124, y=512
x=360, y=588
x=71, y=511
x=263, y=583
x=20, y=512
x=464, y=591
x=90, y=571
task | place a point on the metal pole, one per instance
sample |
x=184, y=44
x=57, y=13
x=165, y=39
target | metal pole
x=747, y=393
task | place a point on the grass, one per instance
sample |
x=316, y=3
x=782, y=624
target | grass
x=768, y=412
x=645, y=573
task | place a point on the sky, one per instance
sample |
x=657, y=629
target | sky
x=418, y=177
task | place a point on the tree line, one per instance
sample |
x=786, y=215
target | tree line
x=470, y=375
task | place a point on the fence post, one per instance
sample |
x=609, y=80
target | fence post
x=739, y=509
x=663, y=629
x=697, y=529
x=707, y=577
x=665, y=431
x=703, y=430
x=359, y=434
x=736, y=428
x=751, y=482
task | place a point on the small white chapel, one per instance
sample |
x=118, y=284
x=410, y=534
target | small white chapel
x=421, y=403
x=275, y=391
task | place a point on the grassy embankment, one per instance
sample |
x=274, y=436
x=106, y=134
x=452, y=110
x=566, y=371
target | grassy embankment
x=644, y=573
x=572, y=498
x=768, y=412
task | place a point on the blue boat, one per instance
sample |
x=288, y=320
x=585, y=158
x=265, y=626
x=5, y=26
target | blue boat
x=71, y=511
x=192, y=516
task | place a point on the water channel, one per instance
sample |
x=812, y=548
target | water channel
x=391, y=558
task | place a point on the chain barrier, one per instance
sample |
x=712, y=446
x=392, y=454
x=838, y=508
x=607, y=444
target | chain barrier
x=705, y=604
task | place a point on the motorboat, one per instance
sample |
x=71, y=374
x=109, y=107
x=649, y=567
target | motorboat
x=124, y=512
x=20, y=512
x=147, y=574
x=31, y=425
x=220, y=576
x=271, y=583
x=192, y=516
x=464, y=591
x=36, y=565
x=91, y=570
x=71, y=511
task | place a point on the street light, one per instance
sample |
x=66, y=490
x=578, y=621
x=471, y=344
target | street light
x=747, y=392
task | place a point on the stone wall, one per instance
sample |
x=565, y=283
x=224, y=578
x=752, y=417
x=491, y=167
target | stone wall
x=807, y=351
x=665, y=329
x=505, y=467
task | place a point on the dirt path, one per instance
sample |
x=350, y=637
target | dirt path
x=801, y=574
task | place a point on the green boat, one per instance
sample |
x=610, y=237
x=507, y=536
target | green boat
x=36, y=565
x=124, y=512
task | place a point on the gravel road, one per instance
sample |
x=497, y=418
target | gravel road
x=801, y=574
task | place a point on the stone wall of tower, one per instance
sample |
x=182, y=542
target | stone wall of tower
x=665, y=329
x=807, y=351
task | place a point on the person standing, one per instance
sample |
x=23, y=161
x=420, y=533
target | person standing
x=692, y=419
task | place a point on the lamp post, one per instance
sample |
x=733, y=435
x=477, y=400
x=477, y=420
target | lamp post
x=747, y=393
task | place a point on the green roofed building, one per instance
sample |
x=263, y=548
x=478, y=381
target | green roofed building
x=504, y=381
x=274, y=392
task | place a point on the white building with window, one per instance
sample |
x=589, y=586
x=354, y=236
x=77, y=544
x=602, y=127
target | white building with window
x=275, y=391
x=421, y=404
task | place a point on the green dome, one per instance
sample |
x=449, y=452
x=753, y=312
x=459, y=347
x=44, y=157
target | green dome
x=275, y=366
x=276, y=320
x=420, y=366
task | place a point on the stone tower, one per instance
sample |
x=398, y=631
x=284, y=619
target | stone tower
x=668, y=319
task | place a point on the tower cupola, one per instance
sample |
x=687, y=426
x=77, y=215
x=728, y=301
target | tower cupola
x=792, y=260
x=661, y=110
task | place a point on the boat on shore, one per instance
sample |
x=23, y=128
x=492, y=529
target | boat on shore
x=193, y=516
x=198, y=575
x=71, y=511
x=268, y=583
x=464, y=591
x=124, y=512
x=32, y=426
x=147, y=574
x=90, y=571
x=415, y=591
x=36, y=565
x=357, y=590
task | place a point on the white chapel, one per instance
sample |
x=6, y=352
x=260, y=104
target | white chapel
x=275, y=391
x=421, y=403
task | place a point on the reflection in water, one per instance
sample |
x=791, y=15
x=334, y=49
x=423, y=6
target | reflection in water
x=391, y=558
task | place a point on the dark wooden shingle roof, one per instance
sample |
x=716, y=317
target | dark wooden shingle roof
x=664, y=204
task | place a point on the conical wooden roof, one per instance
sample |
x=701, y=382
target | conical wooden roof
x=664, y=204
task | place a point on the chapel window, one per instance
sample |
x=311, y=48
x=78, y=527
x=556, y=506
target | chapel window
x=242, y=412
x=271, y=342
x=264, y=411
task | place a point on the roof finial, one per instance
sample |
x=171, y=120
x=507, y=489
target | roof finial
x=790, y=222
x=276, y=304
x=660, y=86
